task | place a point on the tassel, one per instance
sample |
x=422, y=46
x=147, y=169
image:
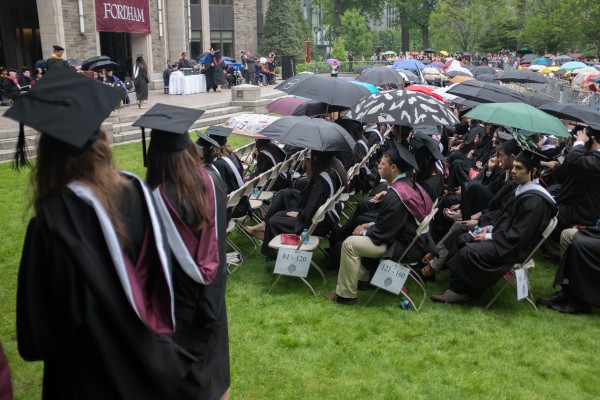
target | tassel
x=21, y=153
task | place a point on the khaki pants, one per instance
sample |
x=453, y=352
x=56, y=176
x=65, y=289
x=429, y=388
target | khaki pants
x=351, y=270
x=566, y=237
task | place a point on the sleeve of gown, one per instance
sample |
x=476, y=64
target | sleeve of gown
x=526, y=219
x=390, y=221
x=583, y=164
x=315, y=198
x=48, y=296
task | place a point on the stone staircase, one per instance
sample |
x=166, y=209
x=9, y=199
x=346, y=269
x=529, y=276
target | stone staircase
x=120, y=130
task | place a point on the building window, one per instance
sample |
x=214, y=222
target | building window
x=222, y=40
x=195, y=2
x=220, y=2
x=196, y=44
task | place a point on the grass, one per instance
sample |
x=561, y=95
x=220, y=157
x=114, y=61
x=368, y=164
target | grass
x=290, y=345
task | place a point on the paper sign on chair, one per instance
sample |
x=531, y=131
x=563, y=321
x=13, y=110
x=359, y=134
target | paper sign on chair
x=293, y=262
x=390, y=276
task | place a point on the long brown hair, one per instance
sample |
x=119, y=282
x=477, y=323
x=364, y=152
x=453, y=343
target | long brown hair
x=181, y=169
x=58, y=165
x=223, y=151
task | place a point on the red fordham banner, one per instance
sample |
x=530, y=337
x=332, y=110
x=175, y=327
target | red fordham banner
x=131, y=16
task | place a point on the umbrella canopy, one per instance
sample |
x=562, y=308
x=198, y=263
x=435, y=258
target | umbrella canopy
x=571, y=65
x=408, y=75
x=431, y=71
x=575, y=55
x=586, y=70
x=541, y=61
x=537, y=67
x=520, y=116
x=424, y=90
x=92, y=60
x=333, y=61
x=285, y=105
x=548, y=55
x=528, y=58
x=380, y=76
x=411, y=65
x=249, y=125
x=402, y=107
x=459, y=71
x=450, y=64
x=537, y=99
x=562, y=58
x=487, y=78
x=102, y=64
x=389, y=53
x=370, y=87
x=573, y=112
x=522, y=76
x=549, y=70
x=467, y=53
x=461, y=79
x=436, y=64
x=331, y=91
x=310, y=133
x=360, y=69
x=484, y=92
x=429, y=50
x=482, y=70
x=444, y=53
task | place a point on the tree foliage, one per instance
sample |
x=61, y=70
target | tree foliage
x=285, y=30
x=334, y=9
x=462, y=22
x=355, y=33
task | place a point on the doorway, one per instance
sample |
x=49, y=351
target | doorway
x=117, y=46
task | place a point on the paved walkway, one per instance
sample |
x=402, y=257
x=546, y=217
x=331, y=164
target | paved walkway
x=158, y=96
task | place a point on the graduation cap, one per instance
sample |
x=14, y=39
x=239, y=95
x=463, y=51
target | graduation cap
x=65, y=105
x=58, y=48
x=421, y=139
x=510, y=146
x=169, y=126
x=529, y=158
x=219, y=133
x=503, y=135
x=402, y=157
x=205, y=140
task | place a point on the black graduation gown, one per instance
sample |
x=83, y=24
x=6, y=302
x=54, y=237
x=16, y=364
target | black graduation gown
x=55, y=62
x=265, y=163
x=313, y=197
x=231, y=183
x=201, y=315
x=581, y=266
x=73, y=313
x=579, y=194
x=141, y=84
x=478, y=265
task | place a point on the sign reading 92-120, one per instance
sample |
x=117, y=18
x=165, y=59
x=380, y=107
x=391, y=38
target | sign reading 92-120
x=293, y=262
x=390, y=276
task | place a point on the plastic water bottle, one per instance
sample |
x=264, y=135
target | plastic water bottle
x=255, y=192
x=404, y=303
x=477, y=230
x=304, y=238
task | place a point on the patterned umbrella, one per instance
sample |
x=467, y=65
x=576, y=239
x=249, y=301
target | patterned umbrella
x=248, y=125
x=402, y=107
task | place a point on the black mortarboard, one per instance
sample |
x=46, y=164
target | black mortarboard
x=66, y=106
x=503, y=135
x=421, y=139
x=205, y=140
x=529, y=158
x=218, y=133
x=57, y=47
x=510, y=147
x=402, y=157
x=169, y=126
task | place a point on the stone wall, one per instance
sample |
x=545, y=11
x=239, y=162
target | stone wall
x=159, y=53
x=78, y=45
x=244, y=22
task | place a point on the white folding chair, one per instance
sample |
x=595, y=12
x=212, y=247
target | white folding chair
x=511, y=276
x=421, y=230
x=313, y=241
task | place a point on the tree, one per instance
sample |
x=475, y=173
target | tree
x=387, y=39
x=356, y=34
x=334, y=9
x=284, y=31
x=338, y=50
x=463, y=22
x=550, y=25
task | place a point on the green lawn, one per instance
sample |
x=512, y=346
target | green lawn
x=290, y=345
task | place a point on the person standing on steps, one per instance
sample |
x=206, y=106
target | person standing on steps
x=141, y=80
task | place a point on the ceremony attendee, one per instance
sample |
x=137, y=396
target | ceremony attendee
x=141, y=80
x=191, y=204
x=184, y=62
x=268, y=155
x=94, y=296
x=219, y=71
x=485, y=259
x=402, y=208
x=55, y=60
x=209, y=70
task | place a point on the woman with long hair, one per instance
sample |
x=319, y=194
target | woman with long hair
x=325, y=178
x=94, y=298
x=141, y=80
x=191, y=204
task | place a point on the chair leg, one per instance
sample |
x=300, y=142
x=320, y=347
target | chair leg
x=371, y=297
x=303, y=280
x=497, y=295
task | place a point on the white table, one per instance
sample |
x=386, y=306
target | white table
x=180, y=84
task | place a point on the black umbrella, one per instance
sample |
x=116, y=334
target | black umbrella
x=421, y=139
x=429, y=50
x=484, y=92
x=487, y=78
x=573, y=112
x=483, y=70
x=402, y=107
x=86, y=64
x=329, y=90
x=360, y=69
x=102, y=64
x=562, y=59
x=537, y=99
x=410, y=75
x=313, y=108
x=467, y=54
x=465, y=104
x=379, y=76
x=528, y=58
x=310, y=133
x=522, y=76
x=429, y=130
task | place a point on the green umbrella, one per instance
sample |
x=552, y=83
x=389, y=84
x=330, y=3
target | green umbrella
x=520, y=116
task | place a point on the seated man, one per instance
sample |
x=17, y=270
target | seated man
x=481, y=262
x=404, y=205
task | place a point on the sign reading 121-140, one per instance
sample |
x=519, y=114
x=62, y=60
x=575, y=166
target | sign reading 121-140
x=293, y=262
x=131, y=16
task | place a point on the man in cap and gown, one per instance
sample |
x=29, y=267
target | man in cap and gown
x=94, y=297
x=508, y=240
x=55, y=60
x=403, y=207
x=199, y=259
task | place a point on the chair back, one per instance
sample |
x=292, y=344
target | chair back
x=421, y=229
x=234, y=197
x=549, y=229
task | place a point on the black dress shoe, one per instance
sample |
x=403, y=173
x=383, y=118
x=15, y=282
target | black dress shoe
x=573, y=307
x=555, y=299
